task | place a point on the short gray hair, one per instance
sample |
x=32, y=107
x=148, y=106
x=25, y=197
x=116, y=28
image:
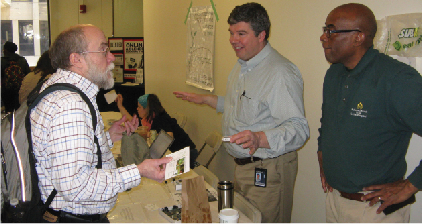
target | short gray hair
x=71, y=40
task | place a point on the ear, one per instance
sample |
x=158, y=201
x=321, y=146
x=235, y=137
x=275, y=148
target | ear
x=261, y=36
x=76, y=60
x=360, y=39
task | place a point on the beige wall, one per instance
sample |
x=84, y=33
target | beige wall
x=128, y=19
x=65, y=13
x=128, y=23
x=296, y=27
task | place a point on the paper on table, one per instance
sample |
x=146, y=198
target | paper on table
x=130, y=84
x=127, y=214
x=110, y=96
x=180, y=163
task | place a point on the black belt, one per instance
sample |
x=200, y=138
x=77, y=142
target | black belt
x=352, y=196
x=244, y=161
x=62, y=216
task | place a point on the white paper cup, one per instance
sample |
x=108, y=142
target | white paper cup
x=228, y=215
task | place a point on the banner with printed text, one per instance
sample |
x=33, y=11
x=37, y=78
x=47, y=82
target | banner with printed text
x=200, y=47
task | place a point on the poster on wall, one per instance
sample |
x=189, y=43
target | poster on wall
x=129, y=54
x=133, y=54
x=119, y=59
x=118, y=74
x=115, y=44
x=200, y=47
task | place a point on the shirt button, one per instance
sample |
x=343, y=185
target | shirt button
x=346, y=86
x=344, y=99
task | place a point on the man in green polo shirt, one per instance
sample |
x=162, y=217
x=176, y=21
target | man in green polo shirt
x=372, y=104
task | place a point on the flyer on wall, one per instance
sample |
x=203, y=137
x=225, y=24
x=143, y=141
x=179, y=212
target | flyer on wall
x=134, y=54
x=115, y=44
x=118, y=58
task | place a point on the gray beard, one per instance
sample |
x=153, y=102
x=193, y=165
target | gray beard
x=103, y=79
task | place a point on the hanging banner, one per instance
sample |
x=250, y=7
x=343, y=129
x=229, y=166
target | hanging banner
x=200, y=47
x=400, y=35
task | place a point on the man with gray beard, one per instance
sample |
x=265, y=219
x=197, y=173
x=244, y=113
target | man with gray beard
x=63, y=134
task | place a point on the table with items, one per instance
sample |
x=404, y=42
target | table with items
x=152, y=201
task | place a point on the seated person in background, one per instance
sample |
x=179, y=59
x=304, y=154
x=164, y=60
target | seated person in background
x=42, y=71
x=154, y=116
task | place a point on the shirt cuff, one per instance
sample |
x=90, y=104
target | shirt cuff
x=220, y=104
x=109, y=142
x=130, y=176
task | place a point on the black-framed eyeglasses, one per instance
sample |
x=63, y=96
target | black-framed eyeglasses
x=105, y=51
x=328, y=31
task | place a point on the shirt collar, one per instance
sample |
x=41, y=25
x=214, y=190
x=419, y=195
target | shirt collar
x=364, y=62
x=251, y=63
x=66, y=76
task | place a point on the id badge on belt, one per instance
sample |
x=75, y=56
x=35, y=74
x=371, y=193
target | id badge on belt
x=260, y=176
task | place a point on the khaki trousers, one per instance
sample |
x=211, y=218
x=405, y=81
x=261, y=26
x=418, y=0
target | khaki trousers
x=339, y=209
x=275, y=201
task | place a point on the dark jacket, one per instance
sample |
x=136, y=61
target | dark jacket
x=10, y=97
x=5, y=61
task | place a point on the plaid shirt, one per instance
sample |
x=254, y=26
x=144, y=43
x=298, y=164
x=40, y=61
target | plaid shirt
x=63, y=141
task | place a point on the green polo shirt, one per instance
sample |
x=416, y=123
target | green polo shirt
x=368, y=117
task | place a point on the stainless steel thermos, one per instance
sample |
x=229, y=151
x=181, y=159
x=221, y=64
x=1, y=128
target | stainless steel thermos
x=225, y=195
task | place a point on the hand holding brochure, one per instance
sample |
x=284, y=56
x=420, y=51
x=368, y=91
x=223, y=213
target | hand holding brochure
x=180, y=163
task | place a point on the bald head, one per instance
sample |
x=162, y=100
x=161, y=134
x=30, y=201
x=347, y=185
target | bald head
x=354, y=27
x=69, y=41
x=361, y=17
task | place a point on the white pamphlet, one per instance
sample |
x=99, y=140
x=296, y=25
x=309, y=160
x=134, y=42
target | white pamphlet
x=110, y=96
x=180, y=163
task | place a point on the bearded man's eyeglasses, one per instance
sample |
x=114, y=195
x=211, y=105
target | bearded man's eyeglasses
x=328, y=31
x=104, y=52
